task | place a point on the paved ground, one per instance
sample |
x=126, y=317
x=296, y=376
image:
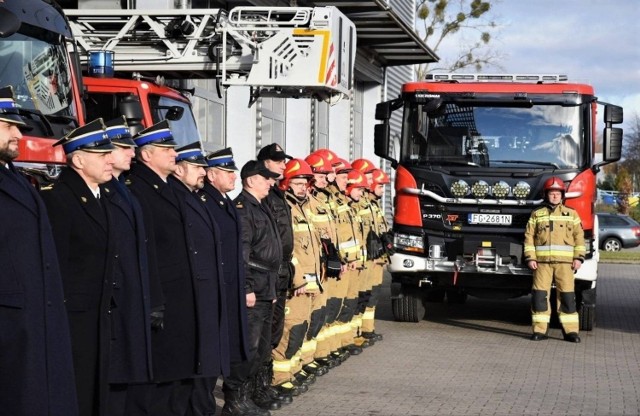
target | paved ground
x=476, y=359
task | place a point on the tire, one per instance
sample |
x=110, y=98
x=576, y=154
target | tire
x=611, y=244
x=587, y=316
x=409, y=306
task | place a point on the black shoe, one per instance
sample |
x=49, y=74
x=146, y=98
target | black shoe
x=263, y=400
x=362, y=342
x=304, y=377
x=353, y=349
x=372, y=336
x=341, y=355
x=302, y=388
x=315, y=368
x=572, y=337
x=537, y=336
x=288, y=389
x=279, y=396
x=328, y=362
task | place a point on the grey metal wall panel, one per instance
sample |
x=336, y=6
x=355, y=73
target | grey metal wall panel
x=404, y=9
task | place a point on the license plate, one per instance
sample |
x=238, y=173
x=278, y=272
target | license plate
x=490, y=219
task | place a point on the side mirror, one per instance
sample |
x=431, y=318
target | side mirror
x=613, y=114
x=611, y=144
x=9, y=23
x=381, y=142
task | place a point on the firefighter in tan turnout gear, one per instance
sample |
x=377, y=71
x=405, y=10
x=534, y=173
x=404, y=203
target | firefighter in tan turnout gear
x=554, y=249
x=297, y=345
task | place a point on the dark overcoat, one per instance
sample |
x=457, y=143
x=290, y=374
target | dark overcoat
x=176, y=355
x=81, y=232
x=130, y=357
x=203, y=239
x=36, y=368
x=226, y=217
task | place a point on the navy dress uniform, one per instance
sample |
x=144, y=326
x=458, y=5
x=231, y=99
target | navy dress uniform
x=130, y=344
x=81, y=231
x=204, y=245
x=36, y=368
x=177, y=357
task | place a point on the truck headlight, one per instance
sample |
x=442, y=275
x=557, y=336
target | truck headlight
x=408, y=242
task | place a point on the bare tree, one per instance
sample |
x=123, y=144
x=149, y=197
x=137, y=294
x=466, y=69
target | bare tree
x=632, y=152
x=438, y=20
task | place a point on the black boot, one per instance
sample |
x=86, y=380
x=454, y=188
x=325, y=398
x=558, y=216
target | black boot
x=267, y=374
x=235, y=404
x=261, y=396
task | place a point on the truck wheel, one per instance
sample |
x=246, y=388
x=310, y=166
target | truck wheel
x=455, y=296
x=409, y=306
x=587, y=314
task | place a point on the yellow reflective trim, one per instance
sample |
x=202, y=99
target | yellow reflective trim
x=312, y=286
x=540, y=318
x=343, y=208
x=281, y=366
x=309, y=346
x=369, y=314
x=294, y=261
x=287, y=310
x=568, y=318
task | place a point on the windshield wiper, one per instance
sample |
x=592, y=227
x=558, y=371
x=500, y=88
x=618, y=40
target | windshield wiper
x=528, y=162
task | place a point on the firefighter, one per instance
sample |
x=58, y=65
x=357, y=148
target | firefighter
x=372, y=247
x=35, y=326
x=298, y=339
x=554, y=249
x=348, y=181
x=381, y=228
x=324, y=221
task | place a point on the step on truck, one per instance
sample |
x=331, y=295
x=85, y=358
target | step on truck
x=474, y=153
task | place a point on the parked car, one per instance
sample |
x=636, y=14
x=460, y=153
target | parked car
x=617, y=231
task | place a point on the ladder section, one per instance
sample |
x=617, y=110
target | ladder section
x=282, y=51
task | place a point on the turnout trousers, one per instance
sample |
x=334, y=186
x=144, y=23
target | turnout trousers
x=543, y=277
x=288, y=353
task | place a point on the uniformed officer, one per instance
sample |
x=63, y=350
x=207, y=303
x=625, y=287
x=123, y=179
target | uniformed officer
x=350, y=249
x=554, y=249
x=85, y=246
x=130, y=362
x=297, y=346
x=262, y=256
x=380, y=226
x=221, y=176
x=183, y=344
x=324, y=221
x=204, y=245
x=34, y=329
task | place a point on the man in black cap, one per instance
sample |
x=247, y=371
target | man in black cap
x=262, y=254
x=204, y=245
x=275, y=159
x=175, y=341
x=36, y=368
x=81, y=231
x=130, y=346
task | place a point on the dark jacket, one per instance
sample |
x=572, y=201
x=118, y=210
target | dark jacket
x=203, y=243
x=261, y=246
x=226, y=217
x=36, y=368
x=130, y=360
x=281, y=213
x=175, y=349
x=81, y=232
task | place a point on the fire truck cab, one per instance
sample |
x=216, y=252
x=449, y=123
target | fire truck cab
x=474, y=153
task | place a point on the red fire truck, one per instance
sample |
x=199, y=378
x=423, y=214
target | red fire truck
x=35, y=61
x=474, y=153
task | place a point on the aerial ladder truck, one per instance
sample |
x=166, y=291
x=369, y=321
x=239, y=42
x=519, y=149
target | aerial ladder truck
x=288, y=52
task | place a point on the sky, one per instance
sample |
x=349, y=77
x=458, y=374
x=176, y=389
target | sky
x=591, y=41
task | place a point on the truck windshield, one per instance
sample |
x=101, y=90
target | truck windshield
x=38, y=70
x=183, y=126
x=547, y=135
